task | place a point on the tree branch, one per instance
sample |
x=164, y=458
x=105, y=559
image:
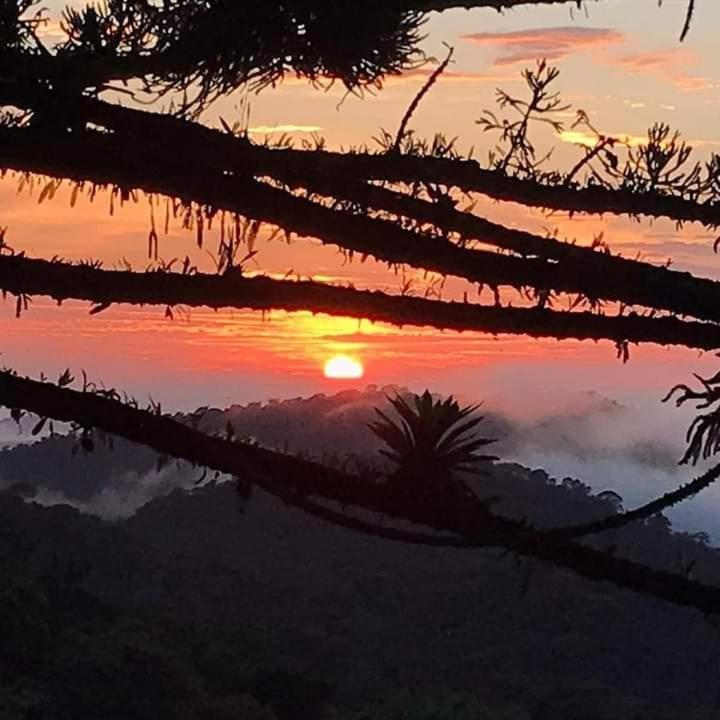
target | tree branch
x=61, y=281
x=108, y=160
x=293, y=478
x=654, y=507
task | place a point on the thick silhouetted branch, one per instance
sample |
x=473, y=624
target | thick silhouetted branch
x=92, y=156
x=470, y=176
x=291, y=478
x=593, y=274
x=214, y=47
x=467, y=175
x=21, y=276
x=211, y=48
x=103, y=159
x=598, y=275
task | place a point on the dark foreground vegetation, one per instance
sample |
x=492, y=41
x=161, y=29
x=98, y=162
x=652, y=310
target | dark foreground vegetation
x=210, y=604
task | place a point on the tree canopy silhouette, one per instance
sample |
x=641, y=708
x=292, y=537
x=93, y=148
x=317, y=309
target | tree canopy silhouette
x=64, y=120
x=432, y=441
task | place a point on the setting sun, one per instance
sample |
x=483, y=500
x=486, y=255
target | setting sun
x=343, y=367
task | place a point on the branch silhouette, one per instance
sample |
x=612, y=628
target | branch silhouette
x=654, y=507
x=373, y=204
x=61, y=281
x=133, y=165
x=299, y=481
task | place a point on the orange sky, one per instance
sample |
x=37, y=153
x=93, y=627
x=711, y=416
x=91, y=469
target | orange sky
x=626, y=69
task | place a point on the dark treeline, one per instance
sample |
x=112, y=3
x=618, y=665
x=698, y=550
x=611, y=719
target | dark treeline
x=208, y=604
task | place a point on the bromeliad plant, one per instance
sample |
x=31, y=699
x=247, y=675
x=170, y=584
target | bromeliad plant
x=432, y=441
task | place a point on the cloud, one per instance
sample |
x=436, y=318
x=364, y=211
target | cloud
x=590, y=140
x=580, y=137
x=288, y=129
x=629, y=448
x=554, y=43
x=655, y=62
x=126, y=495
x=51, y=31
x=668, y=65
x=20, y=433
x=693, y=83
x=449, y=76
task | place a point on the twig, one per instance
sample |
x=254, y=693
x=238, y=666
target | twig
x=419, y=97
x=688, y=20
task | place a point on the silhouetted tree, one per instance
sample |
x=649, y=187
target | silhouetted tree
x=431, y=442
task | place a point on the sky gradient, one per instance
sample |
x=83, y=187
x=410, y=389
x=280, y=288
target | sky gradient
x=625, y=68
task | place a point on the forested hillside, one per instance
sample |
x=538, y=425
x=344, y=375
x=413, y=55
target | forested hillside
x=251, y=608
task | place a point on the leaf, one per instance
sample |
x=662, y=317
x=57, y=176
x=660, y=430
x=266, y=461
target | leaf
x=66, y=379
x=153, y=244
x=46, y=192
x=74, y=195
x=97, y=309
x=39, y=427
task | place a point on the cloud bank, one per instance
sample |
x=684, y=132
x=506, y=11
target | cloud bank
x=554, y=43
x=608, y=445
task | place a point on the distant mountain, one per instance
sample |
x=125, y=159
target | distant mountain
x=364, y=616
x=587, y=429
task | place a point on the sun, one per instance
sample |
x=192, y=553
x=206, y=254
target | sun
x=343, y=367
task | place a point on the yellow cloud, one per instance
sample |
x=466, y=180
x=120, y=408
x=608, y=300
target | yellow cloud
x=579, y=137
x=51, y=31
x=449, y=76
x=589, y=140
x=275, y=129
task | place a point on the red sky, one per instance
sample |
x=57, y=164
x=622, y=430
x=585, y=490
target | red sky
x=623, y=69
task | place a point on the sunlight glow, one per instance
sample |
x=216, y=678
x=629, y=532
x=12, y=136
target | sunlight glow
x=343, y=367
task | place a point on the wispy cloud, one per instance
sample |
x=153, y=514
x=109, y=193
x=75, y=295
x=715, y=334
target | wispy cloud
x=553, y=43
x=588, y=139
x=278, y=129
x=693, y=83
x=656, y=61
x=580, y=137
x=670, y=65
x=449, y=76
